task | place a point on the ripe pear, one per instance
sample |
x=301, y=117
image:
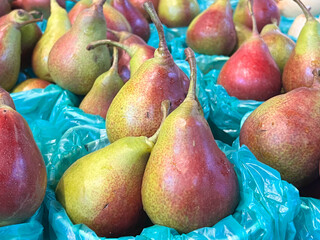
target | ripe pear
x=31, y=83
x=58, y=24
x=135, y=111
x=10, y=52
x=30, y=34
x=251, y=72
x=4, y=7
x=305, y=56
x=280, y=45
x=138, y=23
x=213, y=32
x=284, y=133
x=138, y=54
x=188, y=182
x=70, y=65
x=5, y=99
x=103, y=91
x=265, y=12
x=103, y=189
x=114, y=19
x=23, y=171
x=139, y=5
x=178, y=13
x=243, y=34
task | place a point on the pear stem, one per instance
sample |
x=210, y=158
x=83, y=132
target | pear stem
x=254, y=22
x=165, y=107
x=20, y=25
x=115, y=59
x=98, y=43
x=193, y=73
x=35, y=12
x=148, y=6
x=305, y=10
x=100, y=3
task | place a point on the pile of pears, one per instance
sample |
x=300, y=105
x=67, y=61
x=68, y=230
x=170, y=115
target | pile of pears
x=163, y=162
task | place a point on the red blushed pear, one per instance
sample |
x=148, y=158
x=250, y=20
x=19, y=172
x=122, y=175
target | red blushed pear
x=114, y=19
x=111, y=180
x=305, y=56
x=138, y=23
x=135, y=111
x=213, y=32
x=188, y=183
x=4, y=7
x=265, y=11
x=138, y=54
x=32, y=83
x=139, y=5
x=23, y=177
x=103, y=91
x=10, y=52
x=251, y=72
x=284, y=133
x=5, y=99
x=30, y=34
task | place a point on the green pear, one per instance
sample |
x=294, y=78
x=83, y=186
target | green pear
x=280, y=45
x=103, y=189
x=306, y=55
x=243, y=34
x=188, y=182
x=103, y=91
x=178, y=13
x=58, y=24
x=6, y=99
x=212, y=32
x=70, y=65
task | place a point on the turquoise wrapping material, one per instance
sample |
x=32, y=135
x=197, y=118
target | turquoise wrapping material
x=269, y=208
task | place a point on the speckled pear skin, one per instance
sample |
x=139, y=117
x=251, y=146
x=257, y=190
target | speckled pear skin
x=136, y=109
x=305, y=56
x=280, y=45
x=58, y=24
x=103, y=189
x=178, y=13
x=265, y=11
x=5, y=7
x=70, y=64
x=103, y=91
x=188, y=182
x=212, y=32
x=284, y=133
x=29, y=84
x=30, y=34
x=6, y=99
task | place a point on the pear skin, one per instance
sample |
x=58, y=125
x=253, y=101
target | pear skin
x=29, y=84
x=139, y=5
x=188, y=183
x=5, y=7
x=6, y=99
x=58, y=24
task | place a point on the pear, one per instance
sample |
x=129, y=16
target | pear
x=280, y=45
x=243, y=34
x=31, y=83
x=138, y=54
x=265, y=12
x=213, y=32
x=58, y=24
x=4, y=7
x=135, y=111
x=70, y=65
x=188, y=182
x=23, y=171
x=251, y=72
x=103, y=91
x=284, y=133
x=103, y=188
x=305, y=56
x=178, y=13
x=138, y=23
x=5, y=99
x=114, y=19
x=139, y=5
x=10, y=52
x=30, y=34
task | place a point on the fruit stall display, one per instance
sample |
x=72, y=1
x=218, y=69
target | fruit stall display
x=206, y=152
